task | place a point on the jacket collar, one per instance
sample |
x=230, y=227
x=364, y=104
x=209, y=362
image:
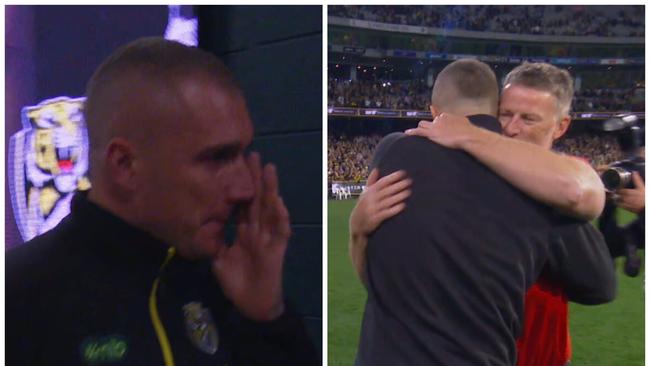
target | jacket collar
x=114, y=236
x=486, y=121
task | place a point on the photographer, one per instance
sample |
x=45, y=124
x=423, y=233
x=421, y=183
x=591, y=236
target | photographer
x=632, y=199
x=626, y=189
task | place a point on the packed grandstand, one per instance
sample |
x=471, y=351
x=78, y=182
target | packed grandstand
x=382, y=61
x=574, y=20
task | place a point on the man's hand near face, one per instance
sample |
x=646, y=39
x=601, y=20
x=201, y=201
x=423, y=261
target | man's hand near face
x=250, y=271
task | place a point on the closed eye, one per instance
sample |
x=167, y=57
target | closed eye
x=530, y=118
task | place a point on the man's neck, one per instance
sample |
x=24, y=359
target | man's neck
x=101, y=198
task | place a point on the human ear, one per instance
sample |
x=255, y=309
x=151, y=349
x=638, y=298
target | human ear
x=434, y=111
x=120, y=163
x=562, y=127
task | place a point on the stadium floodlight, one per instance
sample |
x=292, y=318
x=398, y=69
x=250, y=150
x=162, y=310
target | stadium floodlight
x=620, y=122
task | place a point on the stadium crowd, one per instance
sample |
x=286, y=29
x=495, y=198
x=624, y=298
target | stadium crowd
x=414, y=94
x=603, y=100
x=565, y=20
x=597, y=149
x=348, y=158
x=406, y=94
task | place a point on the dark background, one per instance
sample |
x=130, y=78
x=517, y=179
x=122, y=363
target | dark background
x=275, y=52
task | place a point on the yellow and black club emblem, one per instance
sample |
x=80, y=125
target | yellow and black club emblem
x=200, y=327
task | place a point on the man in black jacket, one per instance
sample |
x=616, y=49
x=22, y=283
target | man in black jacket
x=447, y=277
x=140, y=272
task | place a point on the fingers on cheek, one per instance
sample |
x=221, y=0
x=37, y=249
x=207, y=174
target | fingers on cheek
x=246, y=233
x=254, y=165
x=283, y=212
x=270, y=178
x=273, y=213
x=285, y=223
x=256, y=173
x=271, y=194
x=265, y=179
x=242, y=228
x=281, y=219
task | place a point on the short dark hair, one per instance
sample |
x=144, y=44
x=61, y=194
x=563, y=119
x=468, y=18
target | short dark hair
x=545, y=77
x=149, y=58
x=470, y=79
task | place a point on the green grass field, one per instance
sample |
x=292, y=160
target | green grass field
x=604, y=335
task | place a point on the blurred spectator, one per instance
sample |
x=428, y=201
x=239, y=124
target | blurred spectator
x=566, y=20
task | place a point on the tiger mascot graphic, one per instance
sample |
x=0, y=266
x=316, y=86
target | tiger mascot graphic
x=48, y=161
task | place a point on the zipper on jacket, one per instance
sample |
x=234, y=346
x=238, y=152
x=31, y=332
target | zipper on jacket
x=155, y=318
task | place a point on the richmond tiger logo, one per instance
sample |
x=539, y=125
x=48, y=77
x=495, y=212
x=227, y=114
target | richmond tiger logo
x=48, y=161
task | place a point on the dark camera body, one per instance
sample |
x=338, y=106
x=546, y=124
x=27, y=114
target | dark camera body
x=619, y=174
x=627, y=239
x=623, y=240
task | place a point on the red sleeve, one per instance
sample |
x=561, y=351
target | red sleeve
x=545, y=337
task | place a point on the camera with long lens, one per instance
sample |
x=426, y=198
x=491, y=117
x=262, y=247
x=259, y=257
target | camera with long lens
x=619, y=174
x=624, y=240
x=630, y=137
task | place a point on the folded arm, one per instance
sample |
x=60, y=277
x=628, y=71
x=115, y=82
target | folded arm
x=563, y=182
